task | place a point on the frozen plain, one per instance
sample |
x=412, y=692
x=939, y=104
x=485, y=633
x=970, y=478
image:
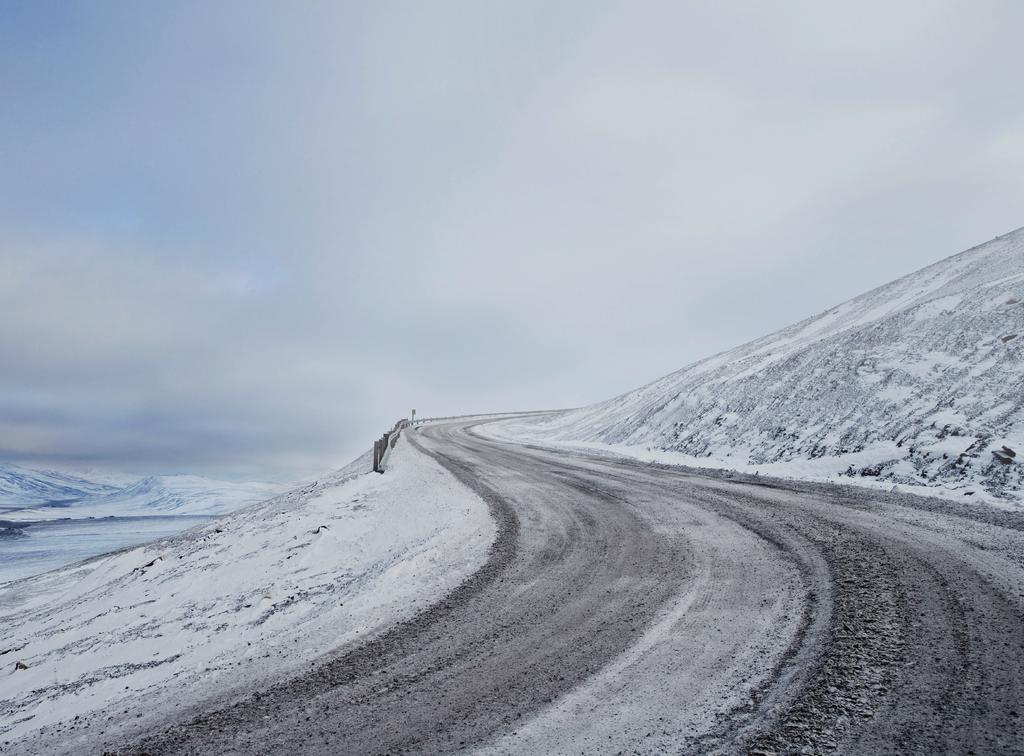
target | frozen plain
x=50, y=518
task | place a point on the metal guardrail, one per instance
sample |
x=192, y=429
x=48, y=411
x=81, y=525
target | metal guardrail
x=382, y=446
x=423, y=420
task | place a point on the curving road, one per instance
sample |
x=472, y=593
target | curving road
x=635, y=608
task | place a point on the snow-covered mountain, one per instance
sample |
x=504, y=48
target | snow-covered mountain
x=27, y=494
x=920, y=381
x=186, y=494
x=22, y=487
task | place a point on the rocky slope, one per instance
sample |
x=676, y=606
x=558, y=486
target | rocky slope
x=920, y=381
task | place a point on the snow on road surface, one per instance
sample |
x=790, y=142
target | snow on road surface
x=917, y=383
x=254, y=596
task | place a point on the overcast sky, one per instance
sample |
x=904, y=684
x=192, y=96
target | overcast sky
x=240, y=241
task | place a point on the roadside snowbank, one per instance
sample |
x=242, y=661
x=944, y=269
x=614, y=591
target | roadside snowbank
x=821, y=470
x=254, y=596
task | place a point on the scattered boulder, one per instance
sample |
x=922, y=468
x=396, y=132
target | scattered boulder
x=147, y=565
x=1008, y=337
x=20, y=665
x=319, y=528
x=1005, y=455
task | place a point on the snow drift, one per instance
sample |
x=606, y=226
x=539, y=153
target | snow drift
x=917, y=382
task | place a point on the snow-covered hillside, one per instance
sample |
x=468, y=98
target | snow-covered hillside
x=918, y=382
x=255, y=595
x=27, y=494
x=183, y=494
x=21, y=487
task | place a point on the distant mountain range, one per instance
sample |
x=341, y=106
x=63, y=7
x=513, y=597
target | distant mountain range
x=28, y=494
x=918, y=382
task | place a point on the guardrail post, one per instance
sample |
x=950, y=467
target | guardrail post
x=383, y=445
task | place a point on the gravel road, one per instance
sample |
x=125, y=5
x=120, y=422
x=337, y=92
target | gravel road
x=635, y=608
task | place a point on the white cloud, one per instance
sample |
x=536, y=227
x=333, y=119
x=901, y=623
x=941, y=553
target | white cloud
x=235, y=240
